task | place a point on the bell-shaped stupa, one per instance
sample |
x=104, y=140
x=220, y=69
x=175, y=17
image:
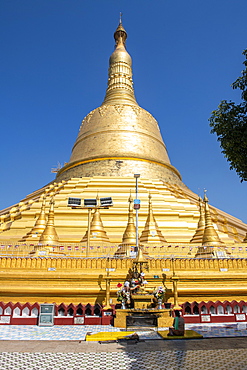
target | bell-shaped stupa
x=120, y=138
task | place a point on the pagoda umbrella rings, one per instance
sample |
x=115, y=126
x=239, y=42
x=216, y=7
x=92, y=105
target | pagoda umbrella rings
x=90, y=204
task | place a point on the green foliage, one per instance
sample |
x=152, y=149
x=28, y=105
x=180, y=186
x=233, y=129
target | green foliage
x=229, y=123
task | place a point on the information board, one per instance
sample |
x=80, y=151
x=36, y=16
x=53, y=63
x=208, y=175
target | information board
x=46, y=315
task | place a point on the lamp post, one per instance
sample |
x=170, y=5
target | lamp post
x=137, y=207
x=90, y=204
x=88, y=231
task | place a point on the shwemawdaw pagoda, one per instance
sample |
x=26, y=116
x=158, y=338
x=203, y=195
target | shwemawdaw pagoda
x=57, y=247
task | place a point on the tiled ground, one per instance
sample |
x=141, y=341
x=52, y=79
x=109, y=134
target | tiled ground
x=158, y=360
x=220, y=330
x=63, y=347
x=73, y=332
x=66, y=332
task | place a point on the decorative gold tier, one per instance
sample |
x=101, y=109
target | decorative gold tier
x=175, y=210
x=81, y=280
x=120, y=167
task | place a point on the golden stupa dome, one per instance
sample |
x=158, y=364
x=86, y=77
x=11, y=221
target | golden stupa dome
x=120, y=138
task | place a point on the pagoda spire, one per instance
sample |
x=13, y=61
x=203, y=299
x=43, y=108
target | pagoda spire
x=120, y=84
x=151, y=232
x=129, y=236
x=39, y=225
x=210, y=236
x=197, y=238
x=49, y=235
x=97, y=232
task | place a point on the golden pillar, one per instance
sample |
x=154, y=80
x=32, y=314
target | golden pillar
x=107, y=292
x=175, y=292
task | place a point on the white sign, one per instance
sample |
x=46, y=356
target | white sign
x=78, y=320
x=4, y=319
x=165, y=269
x=223, y=269
x=133, y=254
x=220, y=254
x=205, y=318
x=110, y=270
x=107, y=313
x=42, y=253
x=240, y=317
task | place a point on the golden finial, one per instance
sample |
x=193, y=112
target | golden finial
x=210, y=236
x=150, y=209
x=49, y=235
x=129, y=236
x=120, y=35
x=97, y=232
x=40, y=223
x=197, y=238
x=151, y=232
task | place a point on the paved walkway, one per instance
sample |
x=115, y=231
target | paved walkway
x=210, y=353
x=227, y=353
x=78, y=332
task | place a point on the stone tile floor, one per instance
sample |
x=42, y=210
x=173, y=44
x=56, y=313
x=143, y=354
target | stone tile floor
x=63, y=332
x=78, y=332
x=63, y=347
x=220, y=330
x=127, y=360
x=211, y=359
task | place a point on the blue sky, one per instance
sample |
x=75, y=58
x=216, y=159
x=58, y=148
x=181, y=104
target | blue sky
x=53, y=71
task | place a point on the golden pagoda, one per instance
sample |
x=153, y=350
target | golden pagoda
x=115, y=141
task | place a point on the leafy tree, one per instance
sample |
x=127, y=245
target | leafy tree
x=229, y=122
